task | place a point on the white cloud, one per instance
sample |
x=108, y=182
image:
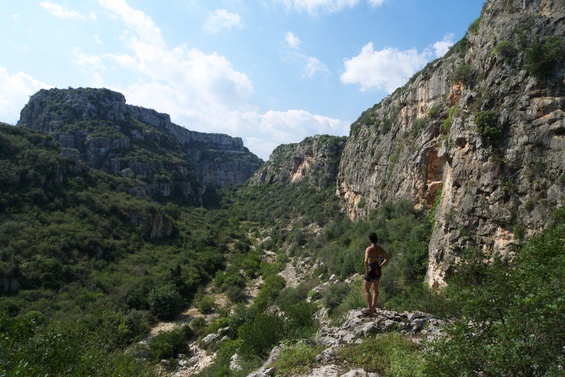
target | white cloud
x=221, y=19
x=143, y=25
x=91, y=61
x=202, y=91
x=199, y=78
x=292, y=40
x=441, y=47
x=376, y=3
x=312, y=67
x=314, y=7
x=59, y=11
x=14, y=93
x=285, y=127
x=295, y=125
x=386, y=69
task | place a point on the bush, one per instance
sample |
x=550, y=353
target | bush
x=206, y=305
x=388, y=355
x=259, y=336
x=464, y=73
x=268, y=292
x=168, y=345
x=236, y=294
x=296, y=359
x=511, y=315
x=543, y=57
x=505, y=50
x=165, y=301
x=334, y=295
x=299, y=320
x=487, y=125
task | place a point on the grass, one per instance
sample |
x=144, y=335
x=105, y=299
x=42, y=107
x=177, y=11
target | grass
x=390, y=354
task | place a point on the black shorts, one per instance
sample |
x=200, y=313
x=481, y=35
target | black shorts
x=374, y=272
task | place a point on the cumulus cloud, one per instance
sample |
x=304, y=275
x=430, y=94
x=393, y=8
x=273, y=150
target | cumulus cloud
x=59, y=11
x=221, y=19
x=15, y=90
x=293, y=126
x=312, y=65
x=441, y=47
x=387, y=69
x=292, y=40
x=202, y=91
x=200, y=79
x=143, y=25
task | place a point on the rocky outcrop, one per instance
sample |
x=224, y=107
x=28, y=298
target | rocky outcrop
x=482, y=130
x=314, y=160
x=138, y=142
x=355, y=328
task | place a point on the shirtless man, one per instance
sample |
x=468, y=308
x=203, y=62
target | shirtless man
x=373, y=264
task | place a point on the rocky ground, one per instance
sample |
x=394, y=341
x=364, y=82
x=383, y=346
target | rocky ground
x=355, y=327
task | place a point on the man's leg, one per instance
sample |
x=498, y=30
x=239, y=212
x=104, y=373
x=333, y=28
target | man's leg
x=373, y=305
x=367, y=289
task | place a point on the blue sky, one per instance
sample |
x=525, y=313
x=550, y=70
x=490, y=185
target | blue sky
x=269, y=71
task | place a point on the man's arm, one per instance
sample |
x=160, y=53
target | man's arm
x=366, y=261
x=386, y=257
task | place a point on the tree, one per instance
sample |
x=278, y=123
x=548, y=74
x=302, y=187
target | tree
x=511, y=314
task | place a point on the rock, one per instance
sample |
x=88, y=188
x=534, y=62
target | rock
x=113, y=132
x=359, y=373
x=402, y=149
x=235, y=363
x=209, y=341
x=314, y=160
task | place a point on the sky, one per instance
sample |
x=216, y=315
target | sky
x=269, y=71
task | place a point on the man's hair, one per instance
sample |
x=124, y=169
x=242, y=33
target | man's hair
x=373, y=237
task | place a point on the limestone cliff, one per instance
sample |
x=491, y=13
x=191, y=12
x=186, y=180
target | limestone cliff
x=314, y=160
x=483, y=129
x=133, y=141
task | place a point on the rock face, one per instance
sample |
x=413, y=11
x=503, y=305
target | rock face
x=314, y=160
x=134, y=141
x=355, y=328
x=482, y=129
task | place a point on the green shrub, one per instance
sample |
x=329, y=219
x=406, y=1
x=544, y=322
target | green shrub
x=299, y=320
x=505, y=50
x=510, y=319
x=297, y=359
x=259, y=336
x=487, y=124
x=464, y=73
x=543, y=57
x=167, y=345
x=334, y=295
x=268, y=292
x=236, y=294
x=388, y=355
x=206, y=305
x=165, y=301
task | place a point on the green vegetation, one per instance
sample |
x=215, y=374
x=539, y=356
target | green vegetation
x=542, y=57
x=488, y=125
x=388, y=355
x=505, y=50
x=509, y=315
x=464, y=73
x=83, y=281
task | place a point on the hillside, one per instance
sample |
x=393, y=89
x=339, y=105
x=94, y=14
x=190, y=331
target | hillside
x=107, y=134
x=132, y=246
x=480, y=133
